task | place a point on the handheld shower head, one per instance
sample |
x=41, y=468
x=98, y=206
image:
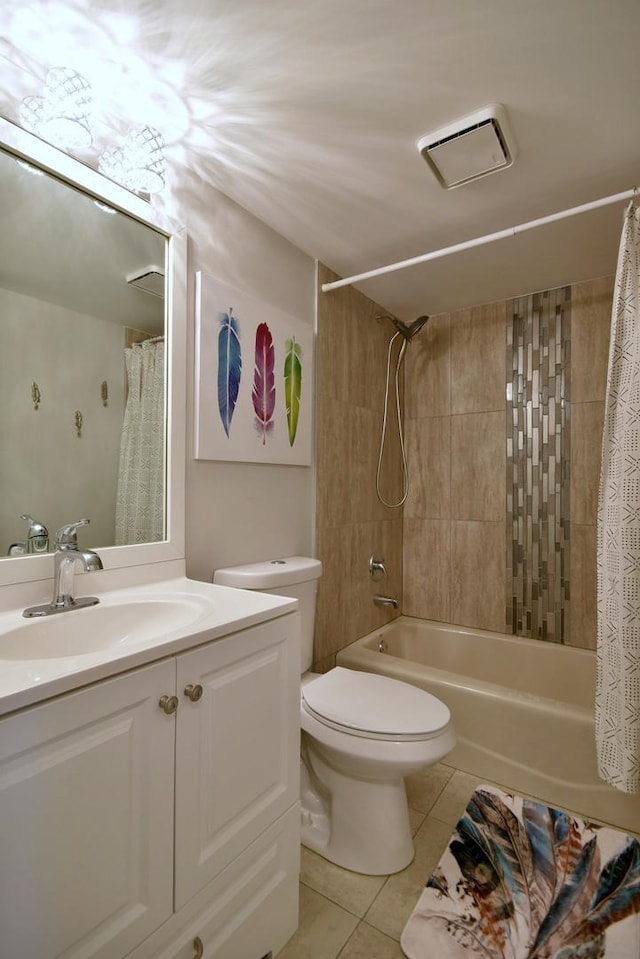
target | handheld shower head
x=409, y=331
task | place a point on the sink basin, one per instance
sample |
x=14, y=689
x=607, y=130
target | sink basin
x=81, y=632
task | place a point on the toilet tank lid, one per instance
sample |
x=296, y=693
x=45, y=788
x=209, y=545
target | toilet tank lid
x=270, y=574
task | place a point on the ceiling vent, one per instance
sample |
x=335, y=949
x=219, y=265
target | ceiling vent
x=150, y=279
x=470, y=148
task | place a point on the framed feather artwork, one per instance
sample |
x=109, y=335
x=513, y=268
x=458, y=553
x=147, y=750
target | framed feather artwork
x=253, y=379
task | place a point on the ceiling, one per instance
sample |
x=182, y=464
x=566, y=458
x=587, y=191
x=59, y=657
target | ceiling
x=307, y=113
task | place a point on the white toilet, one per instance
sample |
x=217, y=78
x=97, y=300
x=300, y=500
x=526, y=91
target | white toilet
x=361, y=735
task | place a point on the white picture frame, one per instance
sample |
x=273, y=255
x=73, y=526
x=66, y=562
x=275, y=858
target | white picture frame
x=253, y=379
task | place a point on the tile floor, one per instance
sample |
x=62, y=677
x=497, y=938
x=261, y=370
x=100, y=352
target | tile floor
x=346, y=915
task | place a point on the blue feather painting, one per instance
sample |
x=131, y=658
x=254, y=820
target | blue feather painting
x=229, y=367
x=521, y=880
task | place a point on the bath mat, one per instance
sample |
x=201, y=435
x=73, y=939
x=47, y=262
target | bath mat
x=520, y=880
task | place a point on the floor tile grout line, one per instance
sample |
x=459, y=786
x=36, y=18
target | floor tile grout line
x=363, y=922
x=340, y=905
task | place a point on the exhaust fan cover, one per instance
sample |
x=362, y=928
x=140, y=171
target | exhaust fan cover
x=470, y=148
x=150, y=279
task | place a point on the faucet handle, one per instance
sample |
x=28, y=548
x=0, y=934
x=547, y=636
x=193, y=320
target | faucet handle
x=377, y=569
x=67, y=536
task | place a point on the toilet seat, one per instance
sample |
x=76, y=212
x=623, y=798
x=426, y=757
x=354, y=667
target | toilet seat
x=374, y=707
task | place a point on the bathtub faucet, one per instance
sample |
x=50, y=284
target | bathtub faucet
x=386, y=601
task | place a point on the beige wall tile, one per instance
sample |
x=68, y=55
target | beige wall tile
x=348, y=439
x=391, y=479
x=451, y=543
x=324, y=665
x=333, y=453
x=428, y=369
x=478, y=575
x=590, y=330
x=478, y=344
x=478, y=466
x=345, y=608
x=351, y=344
x=335, y=602
x=384, y=539
x=428, y=444
x=582, y=574
x=426, y=569
x=351, y=522
x=587, y=420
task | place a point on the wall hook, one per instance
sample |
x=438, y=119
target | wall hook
x=104, y=393
x=35, y=395
x=78, y=422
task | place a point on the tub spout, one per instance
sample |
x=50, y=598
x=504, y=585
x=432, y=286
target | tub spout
x=386, y=601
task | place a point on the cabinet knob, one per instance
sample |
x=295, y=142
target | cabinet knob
x=194, y=693
x=169, y=704
x=199, y=948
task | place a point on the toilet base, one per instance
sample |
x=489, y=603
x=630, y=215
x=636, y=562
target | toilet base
x=359, y=825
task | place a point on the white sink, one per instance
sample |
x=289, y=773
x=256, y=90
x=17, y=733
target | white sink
x=107, y=626
x=130, y=627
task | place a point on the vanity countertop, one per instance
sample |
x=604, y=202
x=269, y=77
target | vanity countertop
x=119, y=634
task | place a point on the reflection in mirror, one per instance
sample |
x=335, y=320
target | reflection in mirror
x=82, y=371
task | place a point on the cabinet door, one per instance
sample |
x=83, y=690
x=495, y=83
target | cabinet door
x=86, y=815
x=237, y=748
x=247, y=911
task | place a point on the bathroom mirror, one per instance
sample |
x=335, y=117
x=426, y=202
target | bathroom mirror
x=92, y=296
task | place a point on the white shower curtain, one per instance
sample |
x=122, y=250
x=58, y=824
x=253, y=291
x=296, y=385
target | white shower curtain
x=140, y=496
x=618, y=657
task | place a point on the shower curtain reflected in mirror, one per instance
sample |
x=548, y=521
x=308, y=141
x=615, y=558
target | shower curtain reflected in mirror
x=140, y=495
x=618, y=657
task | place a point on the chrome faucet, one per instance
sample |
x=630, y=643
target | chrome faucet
x=386, y=601
x=67, y=554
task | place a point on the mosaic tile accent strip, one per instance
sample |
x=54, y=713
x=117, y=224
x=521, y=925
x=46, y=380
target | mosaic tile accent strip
x=538, y=456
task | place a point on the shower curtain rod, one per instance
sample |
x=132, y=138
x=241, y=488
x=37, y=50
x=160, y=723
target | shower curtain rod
x=481, y=240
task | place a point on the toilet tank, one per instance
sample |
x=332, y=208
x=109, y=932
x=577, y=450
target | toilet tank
x=294, y=576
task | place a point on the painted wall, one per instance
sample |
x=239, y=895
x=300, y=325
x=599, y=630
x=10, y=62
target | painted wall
x=237, y=513
x=46, y=469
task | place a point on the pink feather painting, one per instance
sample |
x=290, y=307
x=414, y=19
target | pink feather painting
x=264, y=386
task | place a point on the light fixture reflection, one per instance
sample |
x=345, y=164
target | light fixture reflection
x=61, y=115
x=139, y=165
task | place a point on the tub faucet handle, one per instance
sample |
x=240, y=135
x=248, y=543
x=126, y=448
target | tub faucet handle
x=377, y=569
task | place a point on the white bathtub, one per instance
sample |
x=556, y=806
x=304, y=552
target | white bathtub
x=522, y=708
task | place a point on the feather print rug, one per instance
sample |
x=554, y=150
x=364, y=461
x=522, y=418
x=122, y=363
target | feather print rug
x=520, y=880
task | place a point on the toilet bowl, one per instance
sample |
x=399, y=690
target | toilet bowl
x=361, y=734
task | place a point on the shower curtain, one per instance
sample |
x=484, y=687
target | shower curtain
x=618, y=555
x=140, y=495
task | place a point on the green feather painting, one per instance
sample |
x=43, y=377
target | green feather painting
x=292, y=385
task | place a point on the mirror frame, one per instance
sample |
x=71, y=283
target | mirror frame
x=23, y=145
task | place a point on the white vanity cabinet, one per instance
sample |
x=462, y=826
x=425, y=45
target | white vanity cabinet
x=86, y=820
x=128, y=827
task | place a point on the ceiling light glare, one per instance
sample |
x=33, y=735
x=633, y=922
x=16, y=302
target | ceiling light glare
x=62, y=114
x=139, y=165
